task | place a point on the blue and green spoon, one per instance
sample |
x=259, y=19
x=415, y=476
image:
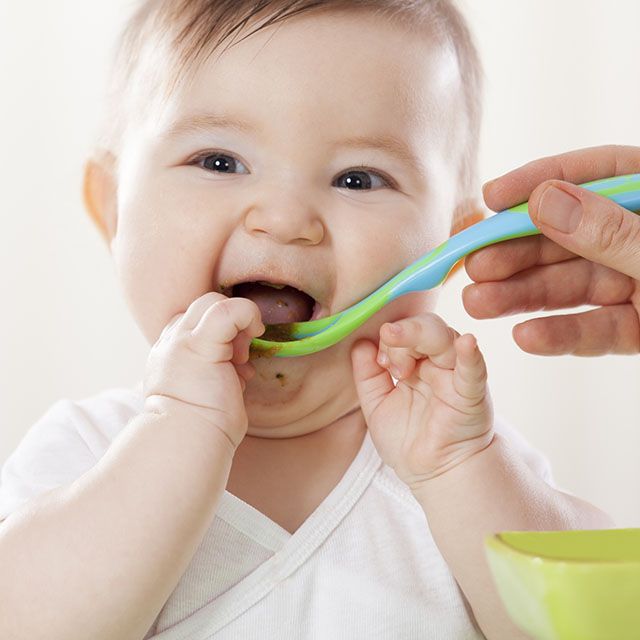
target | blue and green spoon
x=427, y=272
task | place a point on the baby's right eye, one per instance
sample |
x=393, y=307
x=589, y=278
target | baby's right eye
x=219, y=163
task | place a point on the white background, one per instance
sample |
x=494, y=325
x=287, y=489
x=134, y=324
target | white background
x=561, y=74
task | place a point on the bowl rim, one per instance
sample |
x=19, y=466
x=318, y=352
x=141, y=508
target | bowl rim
x=497, y=543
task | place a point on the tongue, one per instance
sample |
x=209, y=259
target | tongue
x=277, y=306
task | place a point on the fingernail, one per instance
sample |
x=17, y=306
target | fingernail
x=395, y=372
x=383, y=359
x=560, y=210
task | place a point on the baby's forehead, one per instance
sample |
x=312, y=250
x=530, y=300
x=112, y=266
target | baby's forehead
x=378, y=54
x=318, y=36
x=329, y=72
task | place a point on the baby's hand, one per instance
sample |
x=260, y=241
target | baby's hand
x=199, y=365
x=440, y=413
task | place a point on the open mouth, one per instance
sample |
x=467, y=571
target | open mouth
x=278, y=303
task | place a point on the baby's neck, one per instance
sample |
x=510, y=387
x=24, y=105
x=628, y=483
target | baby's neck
x=287, y=478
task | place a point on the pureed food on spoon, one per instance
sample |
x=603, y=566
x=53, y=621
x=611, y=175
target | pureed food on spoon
x=280, y=306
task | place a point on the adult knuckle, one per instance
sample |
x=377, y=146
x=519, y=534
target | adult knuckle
x=539, y=163
x=609, y=234
x=630, y=231
x=611, y=149
x=614, y=151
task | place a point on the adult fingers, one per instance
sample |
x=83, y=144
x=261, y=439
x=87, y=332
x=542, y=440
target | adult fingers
x=588, y=224
x=501, y=261
x=555, y=286
x=582, y=165
x=614, y=329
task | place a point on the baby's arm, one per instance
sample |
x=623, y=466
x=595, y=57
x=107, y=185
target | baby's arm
x=494, y=490
x=98, y=558
x=435, y=429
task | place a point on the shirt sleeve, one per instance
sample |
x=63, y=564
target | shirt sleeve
x=532, y=457
x=62, y=445
x=50, y=454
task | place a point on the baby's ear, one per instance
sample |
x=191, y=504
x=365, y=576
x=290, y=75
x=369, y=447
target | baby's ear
x=467, y=213
x=100, y=193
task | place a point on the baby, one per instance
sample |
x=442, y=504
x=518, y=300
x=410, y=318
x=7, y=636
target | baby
x=319, y=147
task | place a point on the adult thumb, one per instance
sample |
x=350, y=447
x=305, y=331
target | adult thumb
x=588, y=224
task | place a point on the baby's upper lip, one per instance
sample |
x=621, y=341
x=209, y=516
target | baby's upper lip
x=313, y=287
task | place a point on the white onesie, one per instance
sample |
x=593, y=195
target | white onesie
x=363, y=565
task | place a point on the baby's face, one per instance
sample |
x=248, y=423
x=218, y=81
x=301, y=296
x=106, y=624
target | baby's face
x=321, y=153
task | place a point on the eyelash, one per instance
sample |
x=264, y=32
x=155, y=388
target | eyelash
x=389, y=183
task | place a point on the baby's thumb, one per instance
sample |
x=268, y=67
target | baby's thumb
x=373, y=383
x=588, y=224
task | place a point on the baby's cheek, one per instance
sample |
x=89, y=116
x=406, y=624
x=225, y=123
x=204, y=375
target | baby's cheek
x=414, y=304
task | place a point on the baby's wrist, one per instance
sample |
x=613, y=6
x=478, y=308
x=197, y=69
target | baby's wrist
x=187, y=416
x=455, y=466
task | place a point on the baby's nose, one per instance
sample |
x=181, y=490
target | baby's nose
x=286, y=219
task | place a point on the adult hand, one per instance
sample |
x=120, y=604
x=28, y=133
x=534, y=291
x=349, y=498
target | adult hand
x=589, y=254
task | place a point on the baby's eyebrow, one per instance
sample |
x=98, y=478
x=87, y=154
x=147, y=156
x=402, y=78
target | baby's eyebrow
x=205, y=122
x=387, y=143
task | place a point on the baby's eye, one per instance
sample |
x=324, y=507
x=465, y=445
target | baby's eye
x=361, y=180
x=220, y=163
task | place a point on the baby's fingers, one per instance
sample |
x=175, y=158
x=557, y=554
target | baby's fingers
x=220, y=325
x=426, y=335
x=470, y=373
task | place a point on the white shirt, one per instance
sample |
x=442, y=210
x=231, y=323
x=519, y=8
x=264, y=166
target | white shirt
x=363, y=564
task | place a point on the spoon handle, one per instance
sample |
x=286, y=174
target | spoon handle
x=431, y=269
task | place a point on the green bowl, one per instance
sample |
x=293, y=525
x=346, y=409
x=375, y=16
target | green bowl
x=570, y=585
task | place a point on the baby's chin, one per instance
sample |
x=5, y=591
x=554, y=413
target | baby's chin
x=294, y=391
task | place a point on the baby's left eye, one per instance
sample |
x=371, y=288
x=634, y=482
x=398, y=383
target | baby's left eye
x=360, y=180
x=218, y=162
